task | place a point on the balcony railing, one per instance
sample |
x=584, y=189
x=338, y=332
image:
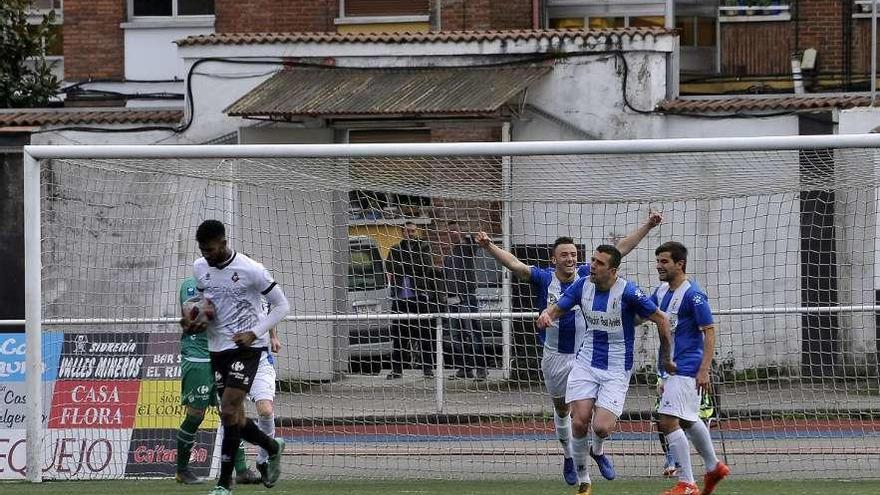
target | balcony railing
x=754, y=13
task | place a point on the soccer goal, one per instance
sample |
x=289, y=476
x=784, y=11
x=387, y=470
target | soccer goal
x=409, y=352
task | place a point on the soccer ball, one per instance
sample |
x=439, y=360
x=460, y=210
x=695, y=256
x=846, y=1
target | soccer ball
x=198, y=309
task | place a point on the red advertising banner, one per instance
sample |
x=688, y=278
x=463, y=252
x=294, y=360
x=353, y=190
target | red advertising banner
x=94, y=404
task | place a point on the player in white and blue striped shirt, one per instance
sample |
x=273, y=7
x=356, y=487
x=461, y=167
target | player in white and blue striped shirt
x=687, y=307
x=599, y=378
x=562, y=339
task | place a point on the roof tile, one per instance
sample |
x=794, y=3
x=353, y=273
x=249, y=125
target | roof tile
x=430, y=37
x=757, y=104
x=69, y=116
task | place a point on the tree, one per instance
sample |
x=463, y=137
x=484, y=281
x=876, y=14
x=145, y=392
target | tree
x=26, y=78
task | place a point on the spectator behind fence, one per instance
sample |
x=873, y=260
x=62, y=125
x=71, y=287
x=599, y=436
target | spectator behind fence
x=461, y=289
x=412, y=278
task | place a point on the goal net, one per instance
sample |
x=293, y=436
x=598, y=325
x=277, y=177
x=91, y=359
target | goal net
x=782, y=236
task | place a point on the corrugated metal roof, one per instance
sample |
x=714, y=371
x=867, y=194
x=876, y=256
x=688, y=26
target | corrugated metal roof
x=346, y=91
x=68, y=116
x=430, y=37
x=762, y=103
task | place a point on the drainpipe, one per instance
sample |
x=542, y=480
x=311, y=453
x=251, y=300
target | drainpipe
x=536, y=14
x=873, y=51
x=438, y=7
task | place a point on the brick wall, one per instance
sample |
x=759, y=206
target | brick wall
x=254, y=16
x=466, y=15
x=512, y=14
x=821, y=28
x=765, y=48
x=318, y=15
x=472, y=215
x=93, y=41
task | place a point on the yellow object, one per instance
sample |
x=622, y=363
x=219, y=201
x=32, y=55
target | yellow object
x=159, y=407
x=567, y=23
x=396, y=27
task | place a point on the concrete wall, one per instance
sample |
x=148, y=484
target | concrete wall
x=584, y=90
x=302, y=233
x=150, y=52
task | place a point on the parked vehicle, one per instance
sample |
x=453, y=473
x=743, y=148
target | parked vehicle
x=369, y=341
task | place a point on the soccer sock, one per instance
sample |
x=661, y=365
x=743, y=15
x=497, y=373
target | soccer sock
x=680, y=448
x=267, y=426
x=702, y=440
x=579, y=448
x=231, y=440
x=563, y=432
x=240, y=459
x=670, y=459
x=252, y=434
x=597, y=443
x=186, y=437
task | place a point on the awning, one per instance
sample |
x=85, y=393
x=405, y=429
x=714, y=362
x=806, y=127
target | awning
x=346, y=92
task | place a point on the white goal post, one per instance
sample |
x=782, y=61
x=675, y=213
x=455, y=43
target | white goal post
x=755, y=185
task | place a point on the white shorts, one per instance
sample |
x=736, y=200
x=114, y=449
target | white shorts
x=607, y=387
x=264, y=383
x=556, y=367
x=680, y=398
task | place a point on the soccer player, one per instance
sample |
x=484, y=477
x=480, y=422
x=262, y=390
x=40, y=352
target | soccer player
x=599, y=378
x=197, y=393
x=562, y=339
x=687, y=308
x=263, y=395
x=707, y=411
x=238, y=339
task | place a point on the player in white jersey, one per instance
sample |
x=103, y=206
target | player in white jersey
x=562, y=339
x=687, y=308
x=238, y=339
x=599, y=378
x=263, y=395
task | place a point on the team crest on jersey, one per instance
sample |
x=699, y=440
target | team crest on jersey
x=235, y=276
x=237, y=366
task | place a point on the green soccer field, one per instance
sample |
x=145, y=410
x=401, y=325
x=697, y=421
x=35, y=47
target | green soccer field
x=619, y=487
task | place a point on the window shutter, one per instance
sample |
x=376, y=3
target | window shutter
x=359, y=8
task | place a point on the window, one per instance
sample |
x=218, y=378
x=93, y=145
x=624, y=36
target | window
x=383, y=8
x=650, y=22
x=567, y=23
x=46, y=4
x=607, y=22
x=374, y=205
x=366, y=270
x=171, y=8
x=696, y=31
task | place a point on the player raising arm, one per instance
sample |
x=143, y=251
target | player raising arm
x=563, y=337
x=599, y=378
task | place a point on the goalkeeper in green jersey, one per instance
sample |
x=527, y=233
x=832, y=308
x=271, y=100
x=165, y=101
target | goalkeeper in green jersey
x=197, y=393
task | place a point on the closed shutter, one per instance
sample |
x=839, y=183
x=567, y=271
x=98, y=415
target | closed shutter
x=358, y=8
x=390, y=135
